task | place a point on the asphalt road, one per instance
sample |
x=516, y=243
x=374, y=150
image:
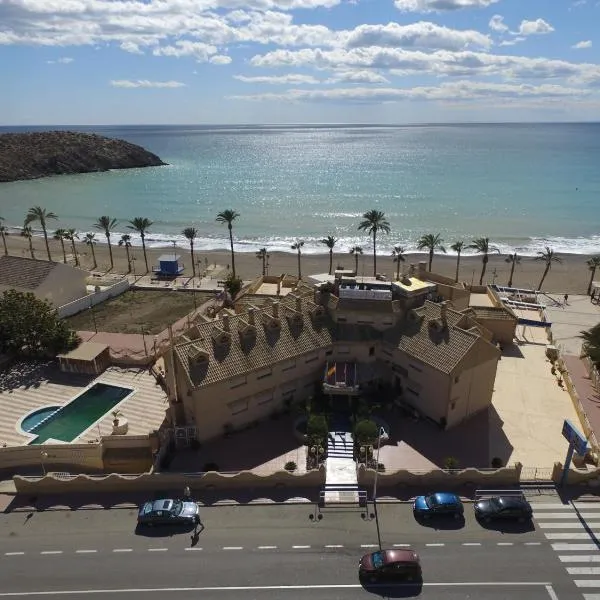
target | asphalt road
x=268, y=552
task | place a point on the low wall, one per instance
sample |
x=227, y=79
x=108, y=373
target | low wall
x=589, y=477
x=54, y=483
x=85, y=302
x=441, y=478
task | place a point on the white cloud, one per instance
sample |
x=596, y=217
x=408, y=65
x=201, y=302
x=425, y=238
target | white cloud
x=291, y=79
x=426, y=6
x=61, y=61
x=537, y=27
x=131, y=47
x=198, y=50
x=582, y=45
x=497, y=24
x=358, y=77
x=513, y=42
x=144, y=83
x=219, y=59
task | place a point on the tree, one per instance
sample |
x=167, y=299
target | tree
x=37, y=213
x=593, y=263
x=233, y=285
x=398, y=257
x=457, y=247
x=431, y=242
x=514, y=260
x=27, y=232
x=106, y=224
x=59, y=235
x=374, y=221
x=3, y=234
x=548, y=257
x=72, y=235
x=30, y=327
x=126, y=241
x=330, y=242
x=356, y=250
x=90, y=240
x=591, y=343
x=228, y=217
x=190, y=234
x=141, y=225
x=264, y=256
x=482, y=245
x=297, y=245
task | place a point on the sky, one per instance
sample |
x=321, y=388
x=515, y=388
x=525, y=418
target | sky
x=95, y=62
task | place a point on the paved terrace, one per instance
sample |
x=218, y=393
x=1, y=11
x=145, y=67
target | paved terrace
x=27, y=387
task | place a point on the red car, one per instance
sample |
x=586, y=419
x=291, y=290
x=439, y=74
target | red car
x=385, y=565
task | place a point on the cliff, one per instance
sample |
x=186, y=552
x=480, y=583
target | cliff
x=34, y=155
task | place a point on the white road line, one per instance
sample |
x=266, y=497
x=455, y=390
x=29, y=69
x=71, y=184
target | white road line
x=566, y=547
x=505, y=543
x=401, y=545
x=435, y=545
x=576, y=558
x=583, y=570
x=122, y=550
x=575, y=525
x=591, y=596
x=193, y=549
x=270, y=547
x=587, y=582
x=233, y=547
x=369, y=546
x=471, y=544
x=568, y=536
x=158, y=549
x=300, y=547
x=567, y=515
x=533, y=543
x=51, y=552
x=550, y=505
x=334, y=546
x=551, y=592
x=86, y=551
x=14, y=553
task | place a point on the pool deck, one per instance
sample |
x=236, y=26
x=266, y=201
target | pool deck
x=27, y=387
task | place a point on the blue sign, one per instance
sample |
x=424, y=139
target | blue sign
x=574, y=437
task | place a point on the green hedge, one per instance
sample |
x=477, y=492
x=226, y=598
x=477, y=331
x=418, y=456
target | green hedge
x=366, y=432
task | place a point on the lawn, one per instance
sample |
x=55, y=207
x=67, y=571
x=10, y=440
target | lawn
x=137, y=310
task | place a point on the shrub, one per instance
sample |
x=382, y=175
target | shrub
x=211, y=466
x=366, y=432
x=290, y=465
x=450, y=463
x=316, y=428
x=497, y=463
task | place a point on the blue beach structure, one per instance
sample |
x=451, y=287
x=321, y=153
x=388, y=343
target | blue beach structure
x=168, y=266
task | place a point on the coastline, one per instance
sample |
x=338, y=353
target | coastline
x=570, y=276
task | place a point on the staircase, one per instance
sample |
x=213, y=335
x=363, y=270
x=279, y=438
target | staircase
x=341, y=484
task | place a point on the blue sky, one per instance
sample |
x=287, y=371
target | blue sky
x=92, y=62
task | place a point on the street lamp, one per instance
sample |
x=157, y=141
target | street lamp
x=44, y=456
x=318, y=451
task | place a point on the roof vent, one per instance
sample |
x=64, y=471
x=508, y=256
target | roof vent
x=413, y=316
x=435, y=325
x=220, y=336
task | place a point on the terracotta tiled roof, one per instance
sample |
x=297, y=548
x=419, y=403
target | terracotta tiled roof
x=24, y=273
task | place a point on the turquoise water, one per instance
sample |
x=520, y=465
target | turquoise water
x=523, y=185
x=33, y=419
x=80, y=414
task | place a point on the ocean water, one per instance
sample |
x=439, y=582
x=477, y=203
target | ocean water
x=522, y=185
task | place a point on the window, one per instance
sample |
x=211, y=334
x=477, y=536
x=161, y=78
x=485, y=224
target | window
x=341, y=319
x=329, y=353
x=237, y=407
x=264, y=374
x=418, y=369
x=361, y=322
x=265, y=399
x=343, y=350
x=236, y=383
x=289, y=366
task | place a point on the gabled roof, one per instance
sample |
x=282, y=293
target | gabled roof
x=24, y=273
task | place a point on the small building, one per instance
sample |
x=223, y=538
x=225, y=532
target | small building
x=91, y=358
x=168, y=266
x=56, y=282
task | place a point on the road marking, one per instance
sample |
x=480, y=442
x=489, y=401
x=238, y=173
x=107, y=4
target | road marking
x=533, y=543
x=583, y=570
x=435, y=545
x=369, y=546
x=505, y=543
x=51, y=552
x=570, y=515
x=14, y=553
x=591, y=596
x=471, y=543
x=85, y=551
x=300, y=547
x=567, y=536
x=122, y=550
x=336, y=586
x=576, y=525
x=334, y=546
x=193, y=549
x=233, y=547
x=566, y=547
x=587, y=582
x=551, y=592
x=401, y=545
x=580, y=558
x=158, y=549
x=270, y=547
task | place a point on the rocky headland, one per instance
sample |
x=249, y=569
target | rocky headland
x=35, y=155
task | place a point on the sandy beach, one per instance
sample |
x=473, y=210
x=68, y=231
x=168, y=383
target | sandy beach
x=570, y=276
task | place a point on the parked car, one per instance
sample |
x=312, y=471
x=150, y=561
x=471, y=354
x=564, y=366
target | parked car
x=168, y=511
x=440, y=503
x=503, y=507
x=385, y=565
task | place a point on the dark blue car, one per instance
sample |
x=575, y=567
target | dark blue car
x=440, y=503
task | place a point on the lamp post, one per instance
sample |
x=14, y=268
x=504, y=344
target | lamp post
x=43, y=456
x=155, y=342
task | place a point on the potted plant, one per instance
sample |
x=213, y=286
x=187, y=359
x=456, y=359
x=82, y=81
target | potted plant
x=116, y=414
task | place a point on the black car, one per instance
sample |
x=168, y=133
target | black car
x=503, y=507
x=169, y=512
x=387, y=565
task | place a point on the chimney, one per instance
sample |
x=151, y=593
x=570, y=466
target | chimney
x=298, y=304
x=422, y=268
x=444, y=313
x=276, y=310
x=411, y=270
x=279, y=287
x=250, y=316
x=225, y=322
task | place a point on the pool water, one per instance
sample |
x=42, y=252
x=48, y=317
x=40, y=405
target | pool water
x=81, y=413
x=33, y=419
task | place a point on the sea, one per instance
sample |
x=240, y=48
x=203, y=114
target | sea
x=525, y=186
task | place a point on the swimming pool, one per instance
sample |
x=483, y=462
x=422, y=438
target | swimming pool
x=71, y=420
x=33, y=419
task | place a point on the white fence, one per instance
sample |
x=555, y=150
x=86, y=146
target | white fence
x=85, y=302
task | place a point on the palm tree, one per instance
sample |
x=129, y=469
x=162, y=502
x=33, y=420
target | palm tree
x=593, y=263
x=126, y=241
x=141, y=225
x=229, y=216
x=72, y=235
x=398, y=256
x=90, y=240
x=548, y=257
x=59, y=235
x=3, y=234
x=457, y=247
x=28, y=233
x=330, y=242
x=431, y=242
x=263, y=255
x=374, y=221
x=591, y=343
x=37, y=213
x=356, y=250
x=483, y=246
x=106, y=224
x=514, y=260
x=297, y=245
x=190, y=233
